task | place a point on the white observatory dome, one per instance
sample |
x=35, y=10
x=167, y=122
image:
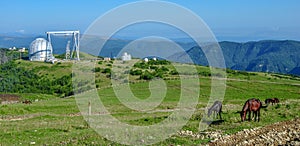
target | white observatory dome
x=40, y=50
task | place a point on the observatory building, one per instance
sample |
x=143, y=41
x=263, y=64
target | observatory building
x=40, y=50
x=126, y=57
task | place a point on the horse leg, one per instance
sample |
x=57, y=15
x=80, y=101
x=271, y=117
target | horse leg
x=214, y=114
x=258, y=115
x=255, y=115
x=220, y=112
x=249, y=115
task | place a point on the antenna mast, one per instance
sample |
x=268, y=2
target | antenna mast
x=68, y=50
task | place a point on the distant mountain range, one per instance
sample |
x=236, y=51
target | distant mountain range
x=260, y=56
x=15, y=41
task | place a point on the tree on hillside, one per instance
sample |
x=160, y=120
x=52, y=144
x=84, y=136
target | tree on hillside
x=3, y=57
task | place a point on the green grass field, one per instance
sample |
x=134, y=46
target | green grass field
x=57, y=121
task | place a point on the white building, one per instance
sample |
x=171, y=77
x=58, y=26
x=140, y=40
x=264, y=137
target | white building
x=126, y=57
x=107, y=59
x=40, y=50
x=22, y=50
x=146, y=59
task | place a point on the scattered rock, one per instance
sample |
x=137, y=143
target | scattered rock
x=32, y=143
x=281, y=133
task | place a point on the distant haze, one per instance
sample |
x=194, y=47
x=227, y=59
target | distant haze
x=230, y=20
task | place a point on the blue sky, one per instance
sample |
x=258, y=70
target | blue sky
x=237, y=20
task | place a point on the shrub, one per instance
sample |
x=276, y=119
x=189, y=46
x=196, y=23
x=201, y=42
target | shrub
x=106, y=71
x=159, y=62
x=136, y=72
x=153, y=67
x=146, y=76
x=205, y=73
x=97, y=69
x=164, y=69
x=159, y=74
x=174, y=72
x=141, y=65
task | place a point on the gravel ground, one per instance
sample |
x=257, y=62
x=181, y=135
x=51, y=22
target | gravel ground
x=281, y=133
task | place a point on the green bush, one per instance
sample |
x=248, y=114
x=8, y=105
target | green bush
x=136, y=72
x=141, y=65
x=146, y=76
x=97, y=69
x=159, y=62
x=174, y=72
x=153, y=67
x=205, y=73
x=106, y=71
x=288, y=106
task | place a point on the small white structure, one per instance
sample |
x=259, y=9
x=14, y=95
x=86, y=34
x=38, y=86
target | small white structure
x=126, y=57
x=146, y=59
x=22, y=50
x=12, y=49
x=154, y=59
x=40, y=50
x=107, y=59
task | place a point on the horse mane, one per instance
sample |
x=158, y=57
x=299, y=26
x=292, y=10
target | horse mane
x=246, y=105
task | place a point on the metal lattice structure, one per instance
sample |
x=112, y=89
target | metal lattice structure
x=68, y=51
x=74, y=54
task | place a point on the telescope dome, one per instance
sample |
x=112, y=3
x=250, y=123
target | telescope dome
x=40, y=50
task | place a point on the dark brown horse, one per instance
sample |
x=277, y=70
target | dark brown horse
x=216, y=108
x=251, y=105
x=27, y=102
x=271, y=100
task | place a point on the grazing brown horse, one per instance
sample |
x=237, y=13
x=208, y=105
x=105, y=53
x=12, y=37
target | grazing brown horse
x=216, y=108
x=271, y=100
x=251, y=105
x=27, y=102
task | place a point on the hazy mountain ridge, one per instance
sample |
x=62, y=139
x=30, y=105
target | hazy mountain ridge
x=261, y=56
x=112, y=46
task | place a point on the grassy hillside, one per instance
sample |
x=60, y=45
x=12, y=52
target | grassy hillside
x=57, y=121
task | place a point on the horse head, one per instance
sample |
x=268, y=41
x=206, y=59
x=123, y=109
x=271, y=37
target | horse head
x=243, y=115
x=209, y=112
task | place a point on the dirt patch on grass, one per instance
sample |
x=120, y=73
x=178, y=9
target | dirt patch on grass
x=9, y=98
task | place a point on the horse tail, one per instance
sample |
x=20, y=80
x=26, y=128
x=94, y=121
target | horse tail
x=260, y=103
